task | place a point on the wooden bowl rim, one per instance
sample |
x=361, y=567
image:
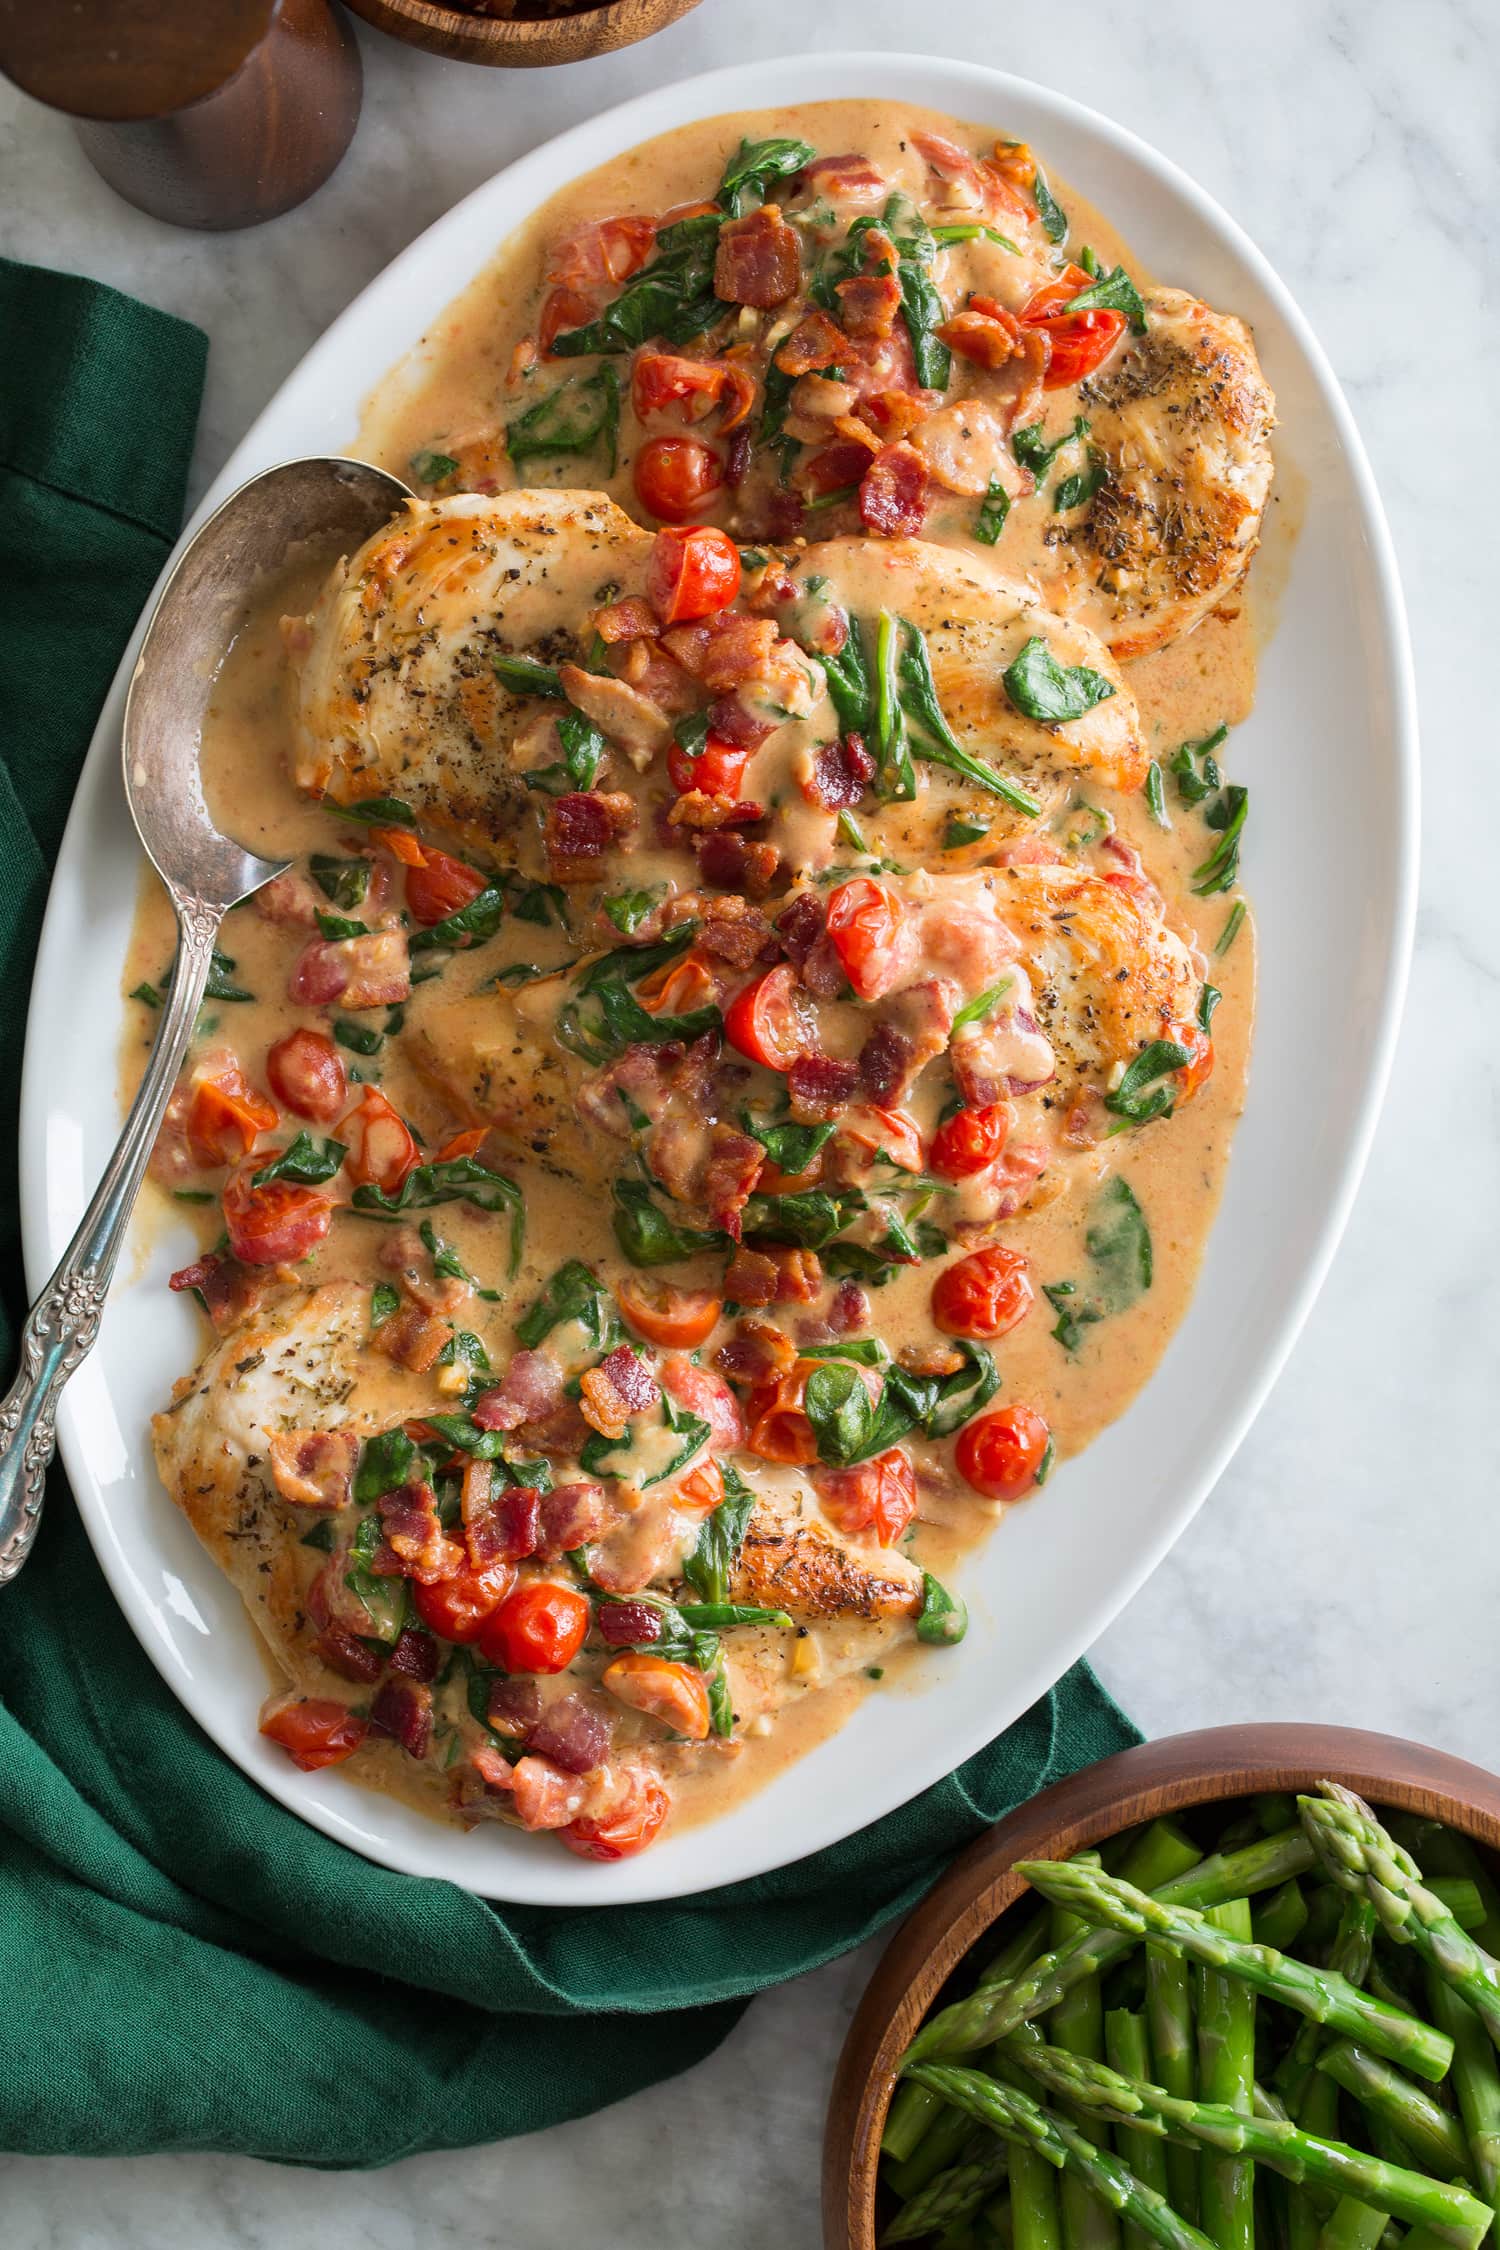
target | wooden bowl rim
x=461, y=37
x=1171, y=1775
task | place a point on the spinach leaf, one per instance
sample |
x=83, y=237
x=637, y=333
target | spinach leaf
x=447, y=1264
x=1140, y=1096
x=303, y=1161
x=1193, y=786
x=1220, y=871
x=973, y=231
x=465, y=1436
x=756, y=164
x=840, y=1410
x=431, y=468
x=865, y=1351
x=849, y=685
x=1231, y=929
x=1080, y=487
x=691, y=1428
x=220, y=984
x=1112, y=292
x=994, y=508
x=1156, y=800
x=717, y=1617
x=673, y=297
x=851, y=1428
x=385, y=1299
x=931, y=737
x=359, y=1038
x=629, y=909
x=466, y=1350
x=1208, y=1000
x=618, y=1021
x=1042, y=689
x=385, y=1601
x=375, y=812
x=922, y=308
x=582, y=748
x=647, y=1236
x=691, y=734
x=385, y=1464
x=808, y=1219
x=896, y=776
x=336, y=927
x=572, y=1293
x=469, y=925
x=524, y=676
x=1118, y=1242
x=1051, y=213
x=572, y=419
x=975, y=1010
x=629, y=963
x=342, y=881
x=791, y=1148
x=146, y=993
x=458, y=1179
x=1036, y=453
x=961, y=832
x=943, y=1619
x=1072, y=1318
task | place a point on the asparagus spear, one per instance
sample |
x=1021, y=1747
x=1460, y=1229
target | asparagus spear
x=950, y=2199
x=914, y=2107
x=1033, y=2200
x=1433, y=2137
x=939, y=2147
x=1442, y=1851
x=1008, y=2111
x=1457, y=2216
x=1476, y=2081
x=1128, y=2051
x=1318, y=1993
x=1352, y=1946
x=1077, y=2024
x=1169, y=2013
x=1226, y=2076
x=992, y=2014
x=1363, y=1856
x=1353, y=2226
x=1280, y=1918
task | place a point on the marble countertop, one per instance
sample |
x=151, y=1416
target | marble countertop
x=1345, y=1567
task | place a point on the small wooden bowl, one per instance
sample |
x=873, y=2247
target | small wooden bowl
x=522, y=42
x=1088, y=1808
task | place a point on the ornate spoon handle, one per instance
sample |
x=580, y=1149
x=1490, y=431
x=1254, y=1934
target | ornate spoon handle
x=64, y=1321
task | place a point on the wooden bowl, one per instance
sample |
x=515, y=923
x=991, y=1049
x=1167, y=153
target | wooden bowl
x=1087, y=1808
x=521, y=42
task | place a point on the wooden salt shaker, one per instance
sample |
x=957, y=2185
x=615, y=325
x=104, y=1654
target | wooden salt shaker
x=206, y=113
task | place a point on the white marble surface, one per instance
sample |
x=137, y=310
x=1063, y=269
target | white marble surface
x=1346, y=1567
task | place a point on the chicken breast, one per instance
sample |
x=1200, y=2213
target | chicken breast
x=1183, y=418
x=396, y=692
x=791, y=1560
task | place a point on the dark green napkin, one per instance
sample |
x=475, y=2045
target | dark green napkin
x=184, y=1964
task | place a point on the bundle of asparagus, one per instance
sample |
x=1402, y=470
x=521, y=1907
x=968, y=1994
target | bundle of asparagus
x=1147, y=2059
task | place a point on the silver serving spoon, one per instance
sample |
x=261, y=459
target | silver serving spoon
x=322, y=500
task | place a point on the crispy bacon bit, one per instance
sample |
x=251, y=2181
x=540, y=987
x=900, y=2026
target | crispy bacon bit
x=512, y=1706
x=799, y=926
x=732, y=719
x=815, y=342
x=704, y=815
x=618, y=1387
x=628, y=1624
x=837, y=468
x=893, y=492
x=758, y=261
x=415, y=1537
x=983, y=332
x=403, y=1709
x=343, y=1652
x=737, y=459
x=498, y=1526
x=734, y=930
x=884, y=1063
x=839, y=773
x=412, y=1338
x=415, y=1654
x=724, y=651
x=571, y=1733
x=226, y=1289
x=823, y=971
x=579, y=829
x=849, y=1311
x=734, y=862
x=772, y=1276
x=530, y=1388
x=870, y=303
x=314, y=1468
x=571, y=1516
x=757, y=1353
x=930, y=1359
x=292, y=899
x=734, y=1165
x=820, y=1086
x=630, y=620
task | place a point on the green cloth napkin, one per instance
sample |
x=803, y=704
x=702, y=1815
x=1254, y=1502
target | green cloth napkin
x=184, y=1964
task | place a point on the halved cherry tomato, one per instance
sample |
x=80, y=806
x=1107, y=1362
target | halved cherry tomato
x=779, y=1428
x=676, y=476
x=307, y=1075
x=866, y=923
x=999, y=1454
x=718, y=770
x=226, y=1116
x=884, y=1132
x=707, y=1395
x=769, y=1020
x=456, y=1607
x=633, y=1824
x=313, y=1730
x=562, y=309
x=878, y=1497
x=664, y=1314
x=678, y=987
x=538, y=1628
x=1200, y=1054
x=701, y=1490
x=1081, y=341
x=462, y=1144
x=693, y=571
x=677, y=1694
x=440, y=886
x=969, y=1141
x=276, y=1224
x=402, y=845
x=381, y=1150
x=659, y=380
x=985, y=1294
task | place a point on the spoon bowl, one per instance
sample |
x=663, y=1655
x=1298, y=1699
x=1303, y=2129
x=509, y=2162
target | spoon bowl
x=261, y=527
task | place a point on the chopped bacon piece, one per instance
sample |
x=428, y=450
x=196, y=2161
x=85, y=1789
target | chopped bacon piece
x=893, y=414
x=819, y=1086
x=838, y=773
x=415, y=1654
x=545, y=1796
x=412, y=1338
x=836, y=468
x=815, y=342
x=292, y=899
x=620, y=1386
x=345, y=1653
x=314, y=1468
x=513, y=1704
x=725, y=651
x=530, y=1388
x=757, y=1352
x=733, y=930
x=774, y=1275
x=893, y=493
x=630, y=620
x=823, y=970
x=885, y=1063
x=498, y=1526
x=415, y=1536
x=571, y=1516
x=632, y=1378
x=849, y=1310
x=226, y=1289
x=403, y=1709
x=734, y=1165
x=581, y=826
x=736, y=723
x=758, y=261
x=703, y=815
x=870, y=303
x=571, y=1733
x=974, y=183
x=851, y=183
x=983, y=332
x=627, y=1624
x=735, y=862
x=738, y=458
x=800, y=925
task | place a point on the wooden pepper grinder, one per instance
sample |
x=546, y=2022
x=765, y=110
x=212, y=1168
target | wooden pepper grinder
x=206, y=113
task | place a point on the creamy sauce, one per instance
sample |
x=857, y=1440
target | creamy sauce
x=464, y=380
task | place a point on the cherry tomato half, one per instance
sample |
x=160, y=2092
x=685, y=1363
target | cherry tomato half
x=619, y=1834
x=999, y=1454
x=866, y=923
x=677, y=1694
x=969, y=1141
x=538, y=1628
x=878, y=1497
x=779, y=1427
x=226, y=1117
x=769, y=1022
x=692, y=573
x=456, y=1607
x=707, y=1395
x=276, y=1224
x=676, y=476
x=718, y=770
x=307, y=1075
x=1200, y=1054
x=680, y=1319
x=381, y=1150
x=440, y=886
x=1080, y=341
x=313, y=1730
x=985, y=1294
